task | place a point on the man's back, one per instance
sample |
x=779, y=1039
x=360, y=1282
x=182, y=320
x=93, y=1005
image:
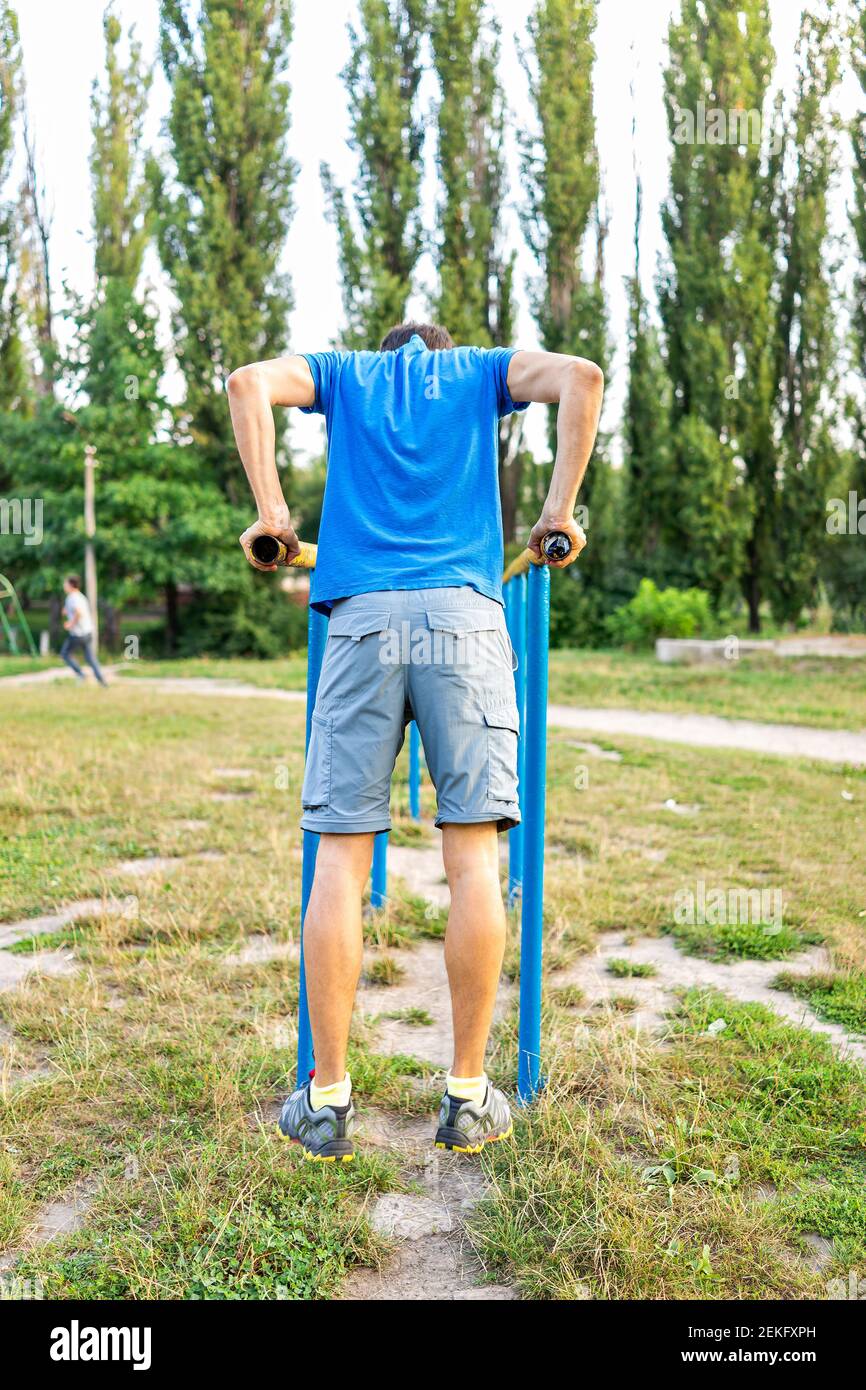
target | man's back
x=412, y=495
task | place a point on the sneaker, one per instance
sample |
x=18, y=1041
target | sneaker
x=326, y=1134
x=465, y=1126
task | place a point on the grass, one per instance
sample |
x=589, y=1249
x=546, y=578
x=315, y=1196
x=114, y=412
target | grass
x=829, y=693
x=157, y=1069
x=639, y=1174
x=840, y=998
x=742, y=940
x=622, y=969
x=385, y=970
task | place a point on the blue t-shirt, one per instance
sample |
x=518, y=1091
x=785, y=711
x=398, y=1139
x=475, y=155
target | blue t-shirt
x=412, y=492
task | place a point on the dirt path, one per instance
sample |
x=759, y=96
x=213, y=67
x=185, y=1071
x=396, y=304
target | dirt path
x=696, y=730
x=748, y=981
x=711, y=731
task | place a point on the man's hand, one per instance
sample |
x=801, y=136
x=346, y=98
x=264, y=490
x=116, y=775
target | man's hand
x=279, y=526
x=569, y=526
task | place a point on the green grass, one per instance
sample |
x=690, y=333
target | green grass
x=840, y=998
x=158, y=1069
x=385, y=970
x=289, y=673
x=824, y=692
x=415, y=1017
x=742, y=940
x=25, y=665
x=622, y=969
x=828, y=693
x=639, y=1174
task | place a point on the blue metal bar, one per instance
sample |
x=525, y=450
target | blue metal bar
x=317, y=635
x=414, y=771
x=529, y=1078
x=517, y=609
x=379, y=877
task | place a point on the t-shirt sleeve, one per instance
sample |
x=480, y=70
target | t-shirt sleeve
x=497, y=360
x=323, y=366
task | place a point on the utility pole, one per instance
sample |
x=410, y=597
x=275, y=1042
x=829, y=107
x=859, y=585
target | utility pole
x=90, y=532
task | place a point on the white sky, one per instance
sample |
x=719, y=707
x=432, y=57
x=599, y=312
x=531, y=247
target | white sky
x=63, y=53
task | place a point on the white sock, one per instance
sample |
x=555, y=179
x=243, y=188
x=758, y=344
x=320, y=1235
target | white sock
x=467, y=1087
x=337, y=1094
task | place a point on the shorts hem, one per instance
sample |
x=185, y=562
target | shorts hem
x=502, y=820
x=345, y=825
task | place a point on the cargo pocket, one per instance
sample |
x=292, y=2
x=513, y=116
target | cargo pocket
x=357, y=625
x=316, y=791
x=502, y=729
x=464, y=637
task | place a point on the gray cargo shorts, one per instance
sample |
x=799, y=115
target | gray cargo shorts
x=439, y=656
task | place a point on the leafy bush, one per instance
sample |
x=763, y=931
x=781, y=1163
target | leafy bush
x=654, y=612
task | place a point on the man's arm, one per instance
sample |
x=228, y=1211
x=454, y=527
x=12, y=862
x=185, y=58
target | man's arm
x=578, y=386
x=253, y=392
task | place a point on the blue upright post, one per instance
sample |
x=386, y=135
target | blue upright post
x=517, y=612
x=317, y=634
x=414, y=771
x=529, y=1077
x=379, y=878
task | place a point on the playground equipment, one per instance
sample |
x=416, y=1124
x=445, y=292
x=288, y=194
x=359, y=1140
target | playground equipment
x=527, y=612
x=7, y=593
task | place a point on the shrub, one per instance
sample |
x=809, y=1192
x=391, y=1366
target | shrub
x=654, y=612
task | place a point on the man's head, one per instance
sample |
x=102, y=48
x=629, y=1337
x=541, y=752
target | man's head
x=431, y=334
x=71, y=583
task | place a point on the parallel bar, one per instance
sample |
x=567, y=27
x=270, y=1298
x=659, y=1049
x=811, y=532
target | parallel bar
x=317, y=635
x=529, y=1078
x=517, y=589
x=414, y=771
x=379, y=877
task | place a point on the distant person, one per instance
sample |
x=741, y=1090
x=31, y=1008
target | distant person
x=411, y=534
x=78, y=623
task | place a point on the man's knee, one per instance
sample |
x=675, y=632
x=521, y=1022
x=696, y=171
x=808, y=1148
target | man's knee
x=470, y=850
x=348, y=856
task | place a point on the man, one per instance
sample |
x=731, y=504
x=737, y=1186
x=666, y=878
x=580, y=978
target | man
x=79, y=628
x=410, y=543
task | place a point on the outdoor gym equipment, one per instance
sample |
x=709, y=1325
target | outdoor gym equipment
x=527, y=613
x=7, y=591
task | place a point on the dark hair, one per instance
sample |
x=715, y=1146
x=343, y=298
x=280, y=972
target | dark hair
x=73, y=580
x=431, y=333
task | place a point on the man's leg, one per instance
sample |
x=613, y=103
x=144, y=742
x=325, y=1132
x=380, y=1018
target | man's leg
x=333, y=941
x=90, y=658
x=66, y=654
x=475, y=939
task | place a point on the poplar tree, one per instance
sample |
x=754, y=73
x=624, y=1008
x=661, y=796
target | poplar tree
x=646, y=461
x=474, y=299
x=565, y=230
x=716, y=87
x=809, y=354
x=15, y=383
x=378, y=229
x=224, y=207
x=845, y=556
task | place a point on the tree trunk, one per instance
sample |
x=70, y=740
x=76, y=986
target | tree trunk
x=170, y=618
x=753, y=590
x=55, y=631
x=110, y=627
